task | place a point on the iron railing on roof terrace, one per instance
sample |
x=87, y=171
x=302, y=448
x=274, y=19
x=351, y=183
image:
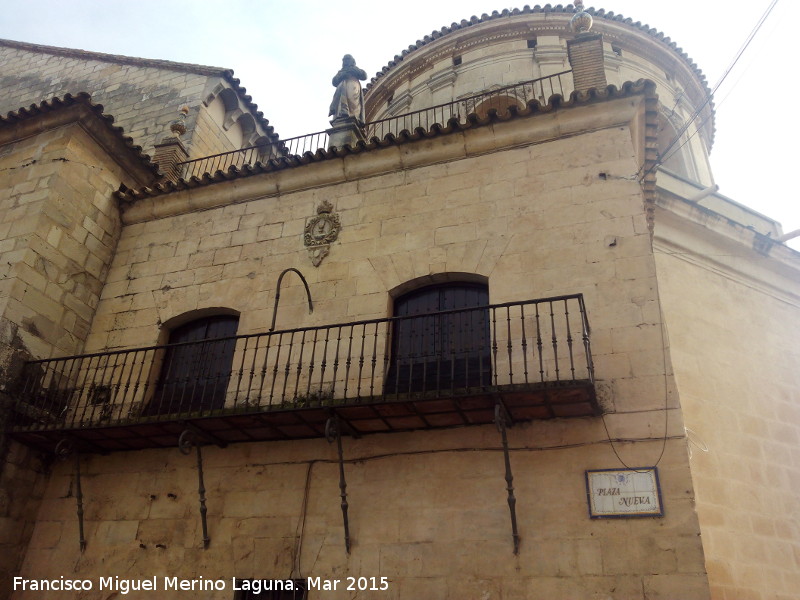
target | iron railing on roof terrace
x=261, y=153
x=499, y=99
x=540, y=344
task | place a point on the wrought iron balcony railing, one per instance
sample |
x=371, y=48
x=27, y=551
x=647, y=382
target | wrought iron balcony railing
x=432, y=370
x=499, y=99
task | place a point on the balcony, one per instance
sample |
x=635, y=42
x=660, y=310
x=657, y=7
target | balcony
x=503, y=100
x=435, y=370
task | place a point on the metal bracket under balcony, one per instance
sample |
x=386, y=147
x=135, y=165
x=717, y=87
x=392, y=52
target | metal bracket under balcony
x=436, y=370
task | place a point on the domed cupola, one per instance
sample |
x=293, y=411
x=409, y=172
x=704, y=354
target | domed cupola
x=502, y=49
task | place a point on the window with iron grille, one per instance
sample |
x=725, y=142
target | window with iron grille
x=195, y=367
x=441, y=340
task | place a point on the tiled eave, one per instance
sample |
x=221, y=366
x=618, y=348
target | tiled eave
x=554, y=19
x=168, y=65
x=27, y=120
x=531, y=110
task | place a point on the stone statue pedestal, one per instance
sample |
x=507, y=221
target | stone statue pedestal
x=345, y=130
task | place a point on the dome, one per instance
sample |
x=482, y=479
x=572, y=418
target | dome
x=505, y=48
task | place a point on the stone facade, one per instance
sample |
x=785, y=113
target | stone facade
x=542, y=203
x=736, y=369
x=60, y=229
x=144, y=96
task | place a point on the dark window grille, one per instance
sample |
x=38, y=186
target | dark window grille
x=444, y=350
x=194, y=376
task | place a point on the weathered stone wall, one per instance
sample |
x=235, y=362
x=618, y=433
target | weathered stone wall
x=144, y=99
x=23, y=479
x=59, y=226
x=736, y=365
x=428, y=509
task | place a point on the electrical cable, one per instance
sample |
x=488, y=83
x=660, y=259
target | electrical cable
x=710, y=97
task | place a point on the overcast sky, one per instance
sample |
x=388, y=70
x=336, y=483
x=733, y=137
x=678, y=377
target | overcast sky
x=286, y=52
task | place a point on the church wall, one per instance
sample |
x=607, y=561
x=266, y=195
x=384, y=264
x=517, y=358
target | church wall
x=736, y=370
x=59, y=229
x=62, y=228
x=144, y=100
x=209, y=137
x=428, y=509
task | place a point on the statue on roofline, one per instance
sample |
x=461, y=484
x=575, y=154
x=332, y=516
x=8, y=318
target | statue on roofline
x=348, y=99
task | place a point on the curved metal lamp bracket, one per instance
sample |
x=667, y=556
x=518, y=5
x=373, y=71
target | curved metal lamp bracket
x=278, y=294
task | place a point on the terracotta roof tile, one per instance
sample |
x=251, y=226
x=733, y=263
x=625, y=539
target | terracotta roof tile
x=57, y=103
x=405, y=136
x=208, y=71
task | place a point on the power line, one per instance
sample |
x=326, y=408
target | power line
x=662, y=155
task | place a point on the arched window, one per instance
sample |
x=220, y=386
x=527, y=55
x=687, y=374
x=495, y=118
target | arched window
x=196, y=366
x=500, y=103
x=440, y=339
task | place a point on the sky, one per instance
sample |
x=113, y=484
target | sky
x=286, y=52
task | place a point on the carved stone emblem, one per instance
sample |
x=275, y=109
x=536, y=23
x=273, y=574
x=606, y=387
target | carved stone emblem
x=320, y=232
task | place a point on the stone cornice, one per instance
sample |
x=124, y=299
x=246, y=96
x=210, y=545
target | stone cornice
x=534, y=125
x=690, y=232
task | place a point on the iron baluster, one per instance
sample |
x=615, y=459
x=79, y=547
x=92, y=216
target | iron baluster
x=539, y=345
x=69, y=378
x=146, y=384
x=374, y=361
x=86, y=382
x=311, y=363
x=524, y=342
x=361, y=359
x=336, y=358
x=129, y=368
x=287, y=369
x=569, y=340
x=275, y=369
x=252, y=375
x=264, y=369
x=348, y=361
x=387, y=349
x=239, y=372
x=63, y=450
x=509, y=346
x=503, y=420
x=300, y=364
x=333, y=433
x=494, y=343
x=324, y=362
x=555, y=341
x=585, y=332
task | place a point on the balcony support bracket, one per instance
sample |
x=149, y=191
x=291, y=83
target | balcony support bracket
x=333, y=433
x=203, y=435
x=189, y=438
x=63, y=450
x=503, y=421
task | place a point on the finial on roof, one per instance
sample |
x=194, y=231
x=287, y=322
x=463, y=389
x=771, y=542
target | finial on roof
x=582, y=21
x=178, y=126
